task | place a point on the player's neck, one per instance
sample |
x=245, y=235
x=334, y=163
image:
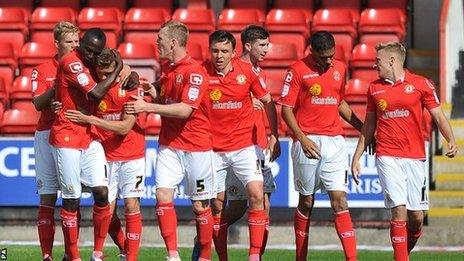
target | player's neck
x=249, y=59
x=178, y=55
x=397, y=75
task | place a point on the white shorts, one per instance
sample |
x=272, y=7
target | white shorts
x=45, y=170
x=403, y=182
x=243, y=163
x=235, y=188
x=172, y=165
x=329, y=173
x=76, y=166
x=126, y=179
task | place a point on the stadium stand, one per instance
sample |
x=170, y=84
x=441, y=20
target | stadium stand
x=73, y=4
x=8, y=64
x=353, y=6
x=28, y=5
x=377, y=25
x=14, y=26
x=44, y=19
x=356, y=91
x=141, y=24
x=34, y=54
x=107, y=18
x=142, y=58
x=21, y=89
x=306, y=6
x=362, y=62
x=120, y=4
x=165, y=4
x=153, y=124
x=234, y=20
x=19, y=121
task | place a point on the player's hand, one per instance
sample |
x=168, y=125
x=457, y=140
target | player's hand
x=146, y=85
x=274, y=148
x=257, y=104
x=56, y=106
x=356, y=171
x=452, y=150
x=310, y=148
x=119, y=64
x=76, y=116
x=131, y=81
x=370, y=149
x=133, y=107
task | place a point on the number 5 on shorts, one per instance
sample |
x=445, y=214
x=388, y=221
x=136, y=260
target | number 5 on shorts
x=200, y=185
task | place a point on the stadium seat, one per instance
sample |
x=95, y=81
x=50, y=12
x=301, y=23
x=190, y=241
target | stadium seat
x=108, y=19
x=27, y=5
x=195, y=51
x=4, y=92
x=73, y=4
x=197, y=20
x=153, y=124
x=120, y=4
x=306, y=6
x=339, y=54
x=26, y=71
x=297, y=40
x=142, y=58
x=198, y=4
x=8, y=64
x=234, y=20
x=274, y=84
x=399, y=5
x=2, y=110
x=33, y=54
x=381, y=21
x=280, y=56
x=165, y=4
x=360, y=111
x=19, y=121
x=14, y=26
x=21, y=89
x=44, y=20
x=141, y=23
x=23, y=105
x=356, y=91
x=362, y=63
x=354, y=6
x=247, y=4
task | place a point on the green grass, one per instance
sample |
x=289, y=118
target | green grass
x=30, y=253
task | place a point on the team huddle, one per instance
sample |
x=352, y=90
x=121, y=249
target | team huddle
x=214, y=138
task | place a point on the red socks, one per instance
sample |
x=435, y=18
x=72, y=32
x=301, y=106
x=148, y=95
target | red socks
x=205, y=222
x=101, y=224
x=301, y=227
x=399, y=234
x=69, y=224
x=257, y=222
x=346, y=234
x=116, y=233
x=167, y=221
x=266, y=236
x=46, y=229
x=220, y=237
x=133, y=235
x=413, y=236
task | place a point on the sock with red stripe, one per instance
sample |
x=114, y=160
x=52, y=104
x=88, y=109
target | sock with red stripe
x=301, y=228
x=101, y=224
x=70, y=233
x=220, y=237
x=346, y=234
x=167, y=221
x=133, y=235
x=116, y=232
x=205, y=222
x=413, y=236
x=257, y=220
x=46, y=229
x=266, y=236
x=399, y=239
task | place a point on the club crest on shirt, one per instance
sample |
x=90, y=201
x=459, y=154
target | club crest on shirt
x=408, y=89
x=179, y=79
x=121, y=92
x=336, y=76
x=215, y=95
x=102, y=106
x=315, y=89
x=241, y=79
x=382, y=104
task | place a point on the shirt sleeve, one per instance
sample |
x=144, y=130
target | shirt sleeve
x=429, y=95
x=258, y=84
x=194, y=86
x=38, y=82
x=371, y=107
x=77, y=76
x=291, y=88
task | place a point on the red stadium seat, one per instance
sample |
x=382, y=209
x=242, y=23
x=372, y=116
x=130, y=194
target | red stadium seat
x=356, y=91
x=8, y=64
x=297, y=40
x=306, y=6
x=399, y=5
x=198, y=4
x=23, y=105
x=195, y=51
x=197, y=20
x=280, y=56
x=247, y=4
x=202, y=39
x=120, y=4
x=44, y=20
x=165, y=4
x=274, y=84
x=108, y=19
x=21, y=89
x=2, y=110
x=381, y=21
x=4, y=93
x=19, y=121
x=73, y=4
x=141, y=23
x=354, y=6
x=14, y=26
x=339, y=54
x=142, y=58
x=360, y=111
x=362, y=62
x=153, y=124
x=26, y=71
x=25, y=4
x=234, y=20
x=36, y=53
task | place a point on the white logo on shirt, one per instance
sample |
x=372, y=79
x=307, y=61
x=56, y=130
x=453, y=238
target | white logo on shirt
x=310, y=75
x=261, y=81
x=324, y=101
x=398, y=113
x=34, y=86
x=75, y=67
x=193, y=92
x=408, y=89
x=34, y=75
x=227, y=105
x=285, y=90
x=196, y=79
x=336, y=76
x=83, y=79
x=378, y=92
x=289, y=77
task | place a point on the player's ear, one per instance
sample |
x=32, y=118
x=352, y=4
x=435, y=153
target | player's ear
x=248, y=47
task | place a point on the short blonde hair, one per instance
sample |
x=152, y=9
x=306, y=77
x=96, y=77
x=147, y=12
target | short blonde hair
x=394, y=48
x=176, y=30
x=62, y=28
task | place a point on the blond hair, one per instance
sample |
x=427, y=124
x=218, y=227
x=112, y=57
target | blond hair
x=62, y=28
x=176, y=30
x=395, y=48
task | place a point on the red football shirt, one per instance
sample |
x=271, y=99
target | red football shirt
x=232, y=113
x=43, y=78
x=120, y=147
x=399, y=109
x=315, y=95
x=186, y=82
x=74, y=81
x=259, y=131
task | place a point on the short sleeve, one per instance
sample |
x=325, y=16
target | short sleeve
x=371, y=107
x=429, y=95
x=38, y=82
x=291, y=88
x=258, y=83
x=77, y=76
x=194, y=87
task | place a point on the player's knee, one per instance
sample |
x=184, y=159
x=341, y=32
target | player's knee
x=100, y=195
x=71, y=205
x=132, y=205
x=256, y=200
x=415, y=222
x=339, y=204
x=48, y=200
x=200, y=205
x=217, y=206
x=305, y=205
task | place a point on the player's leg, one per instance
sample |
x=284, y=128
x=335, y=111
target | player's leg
x=169, y=173
x=68, y=164
x=131, y=188
x=47, y=187
x=237, y=199
x=269, y=187
x=393, y=181
x=95, y=175
x=115, y=229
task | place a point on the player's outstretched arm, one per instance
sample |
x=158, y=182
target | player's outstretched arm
x=43, y=101
x=349, y=116
x=175, y=110
x=274, y=144
x=365, y=138
x=310, y=149
x=121, y=127
x=445, y=130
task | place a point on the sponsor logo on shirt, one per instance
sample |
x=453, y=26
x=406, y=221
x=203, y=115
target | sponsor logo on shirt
x=75, y=67
x=378, y=92
x=288, y=77
x=215, y=95
x=102, y=106
x=382, y=104
x=241, y=79
x=133, y=236
x=315, y=89
x=285, y=89
x=398, y=113
x=193, y=92
x=179, y=79
x=196, y=79
x=121, y=92
x=336, y=76
x=312, y=75
x=324, y=101
x=83, y=79
x=227, y=105
x=408, y=89
x=112, y=117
